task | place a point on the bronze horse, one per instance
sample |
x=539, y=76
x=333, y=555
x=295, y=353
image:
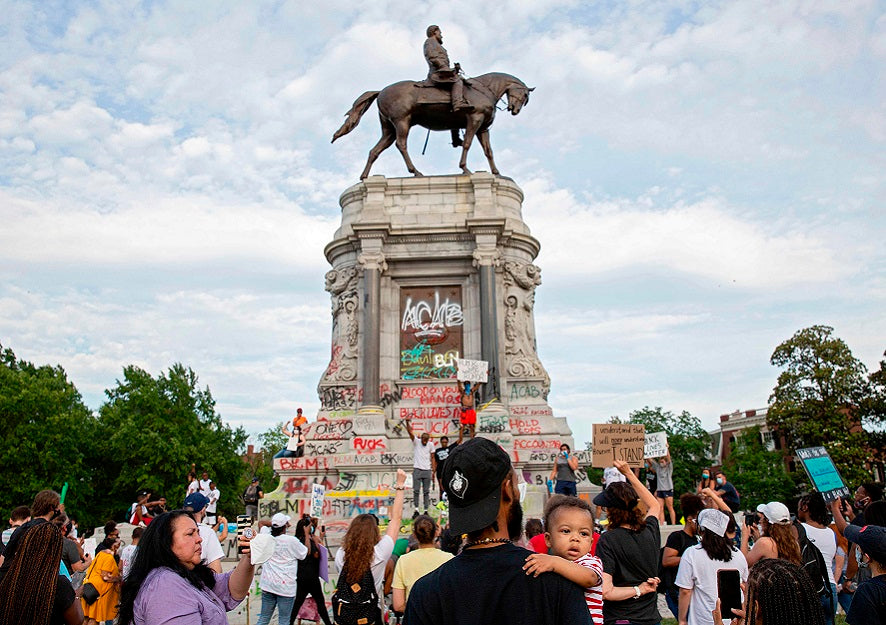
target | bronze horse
x=405, y=104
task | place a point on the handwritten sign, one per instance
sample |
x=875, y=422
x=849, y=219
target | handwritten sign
x=472, y=370
x=318, y=492
x=656, y=445
x=618, y=441
x=823, y=473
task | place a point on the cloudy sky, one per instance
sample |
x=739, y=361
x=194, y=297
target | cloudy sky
x=705, y=178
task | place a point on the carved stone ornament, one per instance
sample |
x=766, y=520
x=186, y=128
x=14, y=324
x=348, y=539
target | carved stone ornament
x=342, y=286
x=373, y=260
x=521, y=355
x=484, y=257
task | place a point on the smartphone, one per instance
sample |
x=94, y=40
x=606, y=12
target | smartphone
x=750, y=519
x=729, y=591
x=244, y=528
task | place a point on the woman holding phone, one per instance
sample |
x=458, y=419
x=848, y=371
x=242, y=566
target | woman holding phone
x=168, y=565
x=564, y=470
x=308, y=576
x=697, y=576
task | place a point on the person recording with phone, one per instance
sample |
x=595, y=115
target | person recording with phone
x=169, y=565
x=564, y=470
x=311, y=569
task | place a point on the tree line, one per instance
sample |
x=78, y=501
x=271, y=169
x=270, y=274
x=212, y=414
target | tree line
x=150, y=429
x=824, y=396
x=145, y=435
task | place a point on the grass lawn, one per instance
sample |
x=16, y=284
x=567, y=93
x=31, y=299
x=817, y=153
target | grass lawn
x=841, y=620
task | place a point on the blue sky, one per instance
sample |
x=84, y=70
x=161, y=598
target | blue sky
x=705, y=180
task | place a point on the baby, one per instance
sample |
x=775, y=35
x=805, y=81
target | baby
x=569, y=535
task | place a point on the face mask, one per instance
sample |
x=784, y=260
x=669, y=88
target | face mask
x=720, y=481
x=705, y=476
x=860, y=505
x=859, y=558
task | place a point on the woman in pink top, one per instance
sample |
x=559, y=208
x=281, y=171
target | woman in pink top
x=169, y=583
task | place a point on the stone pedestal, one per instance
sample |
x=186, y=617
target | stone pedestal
x=424, y=271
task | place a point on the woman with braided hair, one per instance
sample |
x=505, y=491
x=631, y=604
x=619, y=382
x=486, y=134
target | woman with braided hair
x=779, y=593
x=33, y=591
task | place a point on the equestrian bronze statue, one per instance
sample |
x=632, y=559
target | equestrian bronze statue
x=445, y=101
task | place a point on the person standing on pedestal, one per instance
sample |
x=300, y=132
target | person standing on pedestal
x=468, y=414
x=564, y=470
x=421, y=471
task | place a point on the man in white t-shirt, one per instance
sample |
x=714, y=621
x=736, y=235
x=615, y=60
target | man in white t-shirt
x=212, y=506
x=127, y=555
x=204, y=484
x=193, y=485
x=211, y=549
x=422, y=473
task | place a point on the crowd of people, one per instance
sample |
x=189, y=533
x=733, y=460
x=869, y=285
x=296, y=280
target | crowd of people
x=599, y=562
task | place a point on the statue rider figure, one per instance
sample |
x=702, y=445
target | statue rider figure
x=439, y=72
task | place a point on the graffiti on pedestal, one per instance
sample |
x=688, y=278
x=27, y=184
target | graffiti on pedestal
x=339, y=398
x=430, y=331
x=529, y=410
x=492, y=423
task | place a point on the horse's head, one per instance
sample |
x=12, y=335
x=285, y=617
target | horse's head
x=518, y=96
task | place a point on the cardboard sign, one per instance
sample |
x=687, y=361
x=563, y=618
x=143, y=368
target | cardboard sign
x=318, y=492
x=824, y=475
x=618, y=441
x=472, y=370
x=656, y=445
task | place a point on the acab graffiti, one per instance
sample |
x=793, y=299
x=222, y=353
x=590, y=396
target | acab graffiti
x=429, y=324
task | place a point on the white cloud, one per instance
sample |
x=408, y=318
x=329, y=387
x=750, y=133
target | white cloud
x=704, y=238
x=704, y=180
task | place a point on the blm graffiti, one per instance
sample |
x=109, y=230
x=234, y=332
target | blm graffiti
x=430, y=332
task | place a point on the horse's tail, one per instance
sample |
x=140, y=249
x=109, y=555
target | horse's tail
x=361, y=105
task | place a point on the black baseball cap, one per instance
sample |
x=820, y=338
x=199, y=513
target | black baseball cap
x=472, y=478
x=608, y=499
x=871, y=539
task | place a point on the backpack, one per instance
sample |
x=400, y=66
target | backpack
x=813, y=563
x=356, y=604
x=250, y=495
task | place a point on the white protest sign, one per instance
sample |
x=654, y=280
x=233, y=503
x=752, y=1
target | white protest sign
x=472, y=370
x=89, y=546
x=656, y=445
x=318, y=492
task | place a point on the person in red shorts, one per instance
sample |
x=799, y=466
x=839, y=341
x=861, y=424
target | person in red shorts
x=468, y=414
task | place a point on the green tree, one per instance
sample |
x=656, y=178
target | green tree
x=758, y=474
x=152, y=429
x=823, y=397
x=261, y=464
x=875, y=412
x=49, y=435
x=688, y=442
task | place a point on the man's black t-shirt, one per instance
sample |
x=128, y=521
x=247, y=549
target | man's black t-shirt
x=631, y=558
x=440, y=455
x=489, y=586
